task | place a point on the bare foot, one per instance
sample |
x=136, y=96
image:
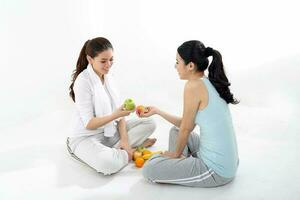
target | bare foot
x=149, y=142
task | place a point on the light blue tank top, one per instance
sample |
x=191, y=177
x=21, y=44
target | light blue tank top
x=218, y=148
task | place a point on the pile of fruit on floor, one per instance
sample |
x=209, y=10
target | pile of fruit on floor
x=141, y=155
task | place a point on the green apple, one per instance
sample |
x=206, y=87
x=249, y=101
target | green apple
x=141, y=148
x=129, y=104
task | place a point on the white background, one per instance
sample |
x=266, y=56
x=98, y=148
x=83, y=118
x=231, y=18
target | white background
x=39, y=45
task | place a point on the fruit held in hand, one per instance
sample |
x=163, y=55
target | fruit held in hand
x=141, y=109
x=129, y=104
x=139, y=162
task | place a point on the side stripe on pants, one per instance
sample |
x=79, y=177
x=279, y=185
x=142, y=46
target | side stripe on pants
x=198, y=178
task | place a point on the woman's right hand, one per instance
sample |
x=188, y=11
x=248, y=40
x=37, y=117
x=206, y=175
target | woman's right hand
x=150, y=110
x=121, y=112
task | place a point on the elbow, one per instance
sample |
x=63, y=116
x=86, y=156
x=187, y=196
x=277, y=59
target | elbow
x=178, y=125
x=186, y=129
x=89, y=125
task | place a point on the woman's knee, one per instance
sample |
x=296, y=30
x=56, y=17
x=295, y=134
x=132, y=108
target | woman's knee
x=173, y=132
x=150, y=124
x=111, y=163
x=151, y=168
x=148, y=170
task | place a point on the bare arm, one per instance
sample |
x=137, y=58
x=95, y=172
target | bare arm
x=151, y=110
x=176, y=121
x=191, y=105
x=97, y=122
x=123, y=131
x=84, y=106
x=124, y=143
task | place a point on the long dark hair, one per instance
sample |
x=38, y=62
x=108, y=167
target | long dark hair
x=195, y=51
x=91, y=48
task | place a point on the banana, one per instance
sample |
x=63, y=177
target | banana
x=157, y=152
x=147, y=156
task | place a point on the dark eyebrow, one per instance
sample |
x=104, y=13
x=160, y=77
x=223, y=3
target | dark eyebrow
x=107, y=58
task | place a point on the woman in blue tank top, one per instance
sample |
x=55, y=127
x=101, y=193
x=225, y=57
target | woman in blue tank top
x=208, y=159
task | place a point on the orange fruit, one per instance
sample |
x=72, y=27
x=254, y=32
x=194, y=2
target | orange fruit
x=139, y=162
x=146, y=151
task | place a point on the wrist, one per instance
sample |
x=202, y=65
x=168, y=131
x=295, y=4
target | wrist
x=115, y=115
x=124, y=141
x=177, y=155
x=157, y=111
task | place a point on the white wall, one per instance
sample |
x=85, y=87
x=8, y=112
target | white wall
x=40, y=42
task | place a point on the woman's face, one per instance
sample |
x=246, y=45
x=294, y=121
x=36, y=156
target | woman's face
x=182, y=68
x=102, y=62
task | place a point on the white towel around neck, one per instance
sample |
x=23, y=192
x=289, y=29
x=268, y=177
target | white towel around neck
x=103, y=104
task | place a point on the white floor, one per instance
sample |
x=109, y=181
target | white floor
x=36, y=165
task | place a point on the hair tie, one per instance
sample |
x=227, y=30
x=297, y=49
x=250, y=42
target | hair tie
x=208, y=51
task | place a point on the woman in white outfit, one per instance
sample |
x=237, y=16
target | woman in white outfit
x=101, y=137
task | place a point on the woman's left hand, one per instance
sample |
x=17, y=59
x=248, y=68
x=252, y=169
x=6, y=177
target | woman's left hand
x=171, y=155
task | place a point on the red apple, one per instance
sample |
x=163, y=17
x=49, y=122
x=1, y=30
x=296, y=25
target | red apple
x=140, y=109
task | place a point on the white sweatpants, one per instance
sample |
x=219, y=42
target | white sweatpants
x=102, y=154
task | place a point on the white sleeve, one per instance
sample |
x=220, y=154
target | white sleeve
x=83, y=100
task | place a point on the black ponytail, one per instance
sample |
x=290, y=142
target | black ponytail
x=195, y=51
x=218, y=78
x=92, y=48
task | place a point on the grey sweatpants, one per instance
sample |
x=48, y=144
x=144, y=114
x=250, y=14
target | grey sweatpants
x=189, y=171
x=101, y=153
